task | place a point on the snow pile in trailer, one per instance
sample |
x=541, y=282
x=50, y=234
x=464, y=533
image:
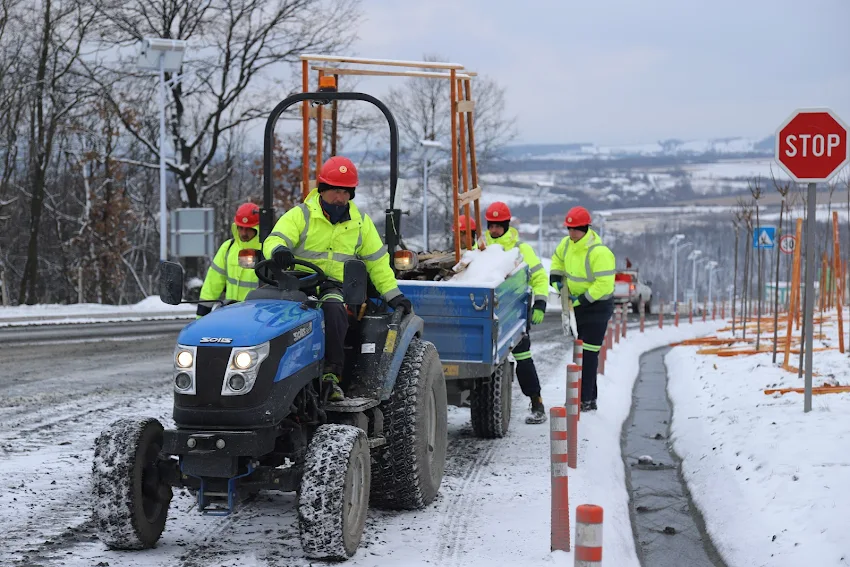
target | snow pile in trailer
x=489, y=266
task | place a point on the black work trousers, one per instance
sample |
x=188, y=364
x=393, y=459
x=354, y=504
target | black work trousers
x=526, y=372
x=592, y=322
x=336, y=327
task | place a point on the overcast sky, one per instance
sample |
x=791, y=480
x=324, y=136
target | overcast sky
x=629, y=71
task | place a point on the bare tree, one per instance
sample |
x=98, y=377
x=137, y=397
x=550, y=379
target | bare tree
x=54, y=92
x=756, y=191
x=421, y=107
x=239, y=50
x=783, y=190
x=746, y=210
x=736, y=222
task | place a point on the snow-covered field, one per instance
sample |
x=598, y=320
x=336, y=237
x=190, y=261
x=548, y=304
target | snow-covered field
x=771, y=481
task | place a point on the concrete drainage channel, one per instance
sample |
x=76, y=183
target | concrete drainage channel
x=668, y=528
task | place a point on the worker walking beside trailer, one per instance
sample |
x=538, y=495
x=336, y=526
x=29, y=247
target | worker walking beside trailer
x=584, y=268
x=499, y=231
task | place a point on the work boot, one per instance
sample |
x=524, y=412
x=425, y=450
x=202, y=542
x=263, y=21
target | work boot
x=593, y=404
x=336, y=392
x=588, y=405
x=537, y=411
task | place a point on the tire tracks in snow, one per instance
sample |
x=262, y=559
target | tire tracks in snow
x=462, y=509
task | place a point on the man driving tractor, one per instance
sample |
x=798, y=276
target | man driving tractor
x=328, y=229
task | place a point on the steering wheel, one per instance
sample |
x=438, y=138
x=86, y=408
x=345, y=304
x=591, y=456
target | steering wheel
x=305, y=279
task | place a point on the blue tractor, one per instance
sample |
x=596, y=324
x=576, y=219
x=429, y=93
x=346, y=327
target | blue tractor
x=251, y=412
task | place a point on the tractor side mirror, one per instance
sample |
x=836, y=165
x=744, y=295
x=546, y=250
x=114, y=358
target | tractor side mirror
x=354, y=282
x=171, y=283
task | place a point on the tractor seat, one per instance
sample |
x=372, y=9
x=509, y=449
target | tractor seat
x=270, y=292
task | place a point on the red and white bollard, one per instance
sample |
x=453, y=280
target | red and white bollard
x=623, y=312
x=617, y=324
x=578, y=360
x=573, y=401
x=588, y=536
x=642, y=309
x=603, y=352
x=560, y=536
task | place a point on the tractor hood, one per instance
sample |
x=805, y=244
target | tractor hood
x=247, y=323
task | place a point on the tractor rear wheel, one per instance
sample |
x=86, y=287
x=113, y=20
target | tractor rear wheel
x=409, y=468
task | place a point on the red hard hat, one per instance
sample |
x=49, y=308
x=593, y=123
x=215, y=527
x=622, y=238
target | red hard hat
x=247, y=215
x=461, y=223
x=340, y=172
x=577, y=216
x=498, y=212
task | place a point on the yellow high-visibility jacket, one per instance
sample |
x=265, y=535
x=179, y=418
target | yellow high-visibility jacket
x=588, y=267
x=225, y=274
x=539, y=279
x=306, y=231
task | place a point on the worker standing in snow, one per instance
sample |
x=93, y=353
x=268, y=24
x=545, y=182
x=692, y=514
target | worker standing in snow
x=499, y=231
x=588, y=267
x=225, y=274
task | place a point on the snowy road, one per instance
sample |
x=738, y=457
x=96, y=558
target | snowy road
x=60, y=396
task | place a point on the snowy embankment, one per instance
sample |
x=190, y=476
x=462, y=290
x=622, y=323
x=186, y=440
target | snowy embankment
x=52, y=314
x=770, y=480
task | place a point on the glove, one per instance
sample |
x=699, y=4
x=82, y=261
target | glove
x=538, y=310
x=282, y=256
x=557, y=282
x=202, y=310
x=401, y=302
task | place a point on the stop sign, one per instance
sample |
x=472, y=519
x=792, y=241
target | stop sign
x=811, y=146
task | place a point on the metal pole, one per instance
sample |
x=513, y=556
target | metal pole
x=710, y=274
x=163, y=211
x=540, y=226
x=675, y=270
x=694, y=283
x=809, y=297
x=425, y=207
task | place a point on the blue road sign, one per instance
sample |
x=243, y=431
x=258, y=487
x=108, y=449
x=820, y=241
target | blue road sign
x=764, y=237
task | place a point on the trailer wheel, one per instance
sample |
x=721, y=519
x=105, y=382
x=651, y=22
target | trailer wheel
x=409, y=468
x=333, y=498
x=130, y=501
x=490, y=403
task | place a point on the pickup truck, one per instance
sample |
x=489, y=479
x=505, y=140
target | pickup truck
x=630, y=288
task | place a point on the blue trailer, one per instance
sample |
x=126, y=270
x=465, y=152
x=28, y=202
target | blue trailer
x=474, y=328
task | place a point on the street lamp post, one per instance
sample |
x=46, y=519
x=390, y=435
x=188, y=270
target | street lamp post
x=542, y=190
x=165, y=56
x=426, y=157
x=675, y=242
x=710, y=267
x=693, y=256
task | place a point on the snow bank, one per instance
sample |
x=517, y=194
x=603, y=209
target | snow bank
x=40, y=314
x=489, y=266
x=770, y=481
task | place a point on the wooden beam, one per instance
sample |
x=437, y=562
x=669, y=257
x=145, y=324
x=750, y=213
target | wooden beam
x=386, y=62
x=382, y=73
x=469, y=196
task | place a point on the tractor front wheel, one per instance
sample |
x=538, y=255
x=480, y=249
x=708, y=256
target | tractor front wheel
x=130, y=500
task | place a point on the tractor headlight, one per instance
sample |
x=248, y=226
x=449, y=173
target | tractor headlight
x=243, y=368
x=244, y=359
x=185, y=359
x=184, y=369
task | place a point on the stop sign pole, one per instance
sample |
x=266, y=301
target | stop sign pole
x=811, y=146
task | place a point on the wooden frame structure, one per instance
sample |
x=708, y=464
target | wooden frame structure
x=466, y=189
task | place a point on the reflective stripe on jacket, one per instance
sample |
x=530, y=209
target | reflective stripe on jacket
x=306, y=231
x=539, y=279
x=588, y=267
x=225, y=274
